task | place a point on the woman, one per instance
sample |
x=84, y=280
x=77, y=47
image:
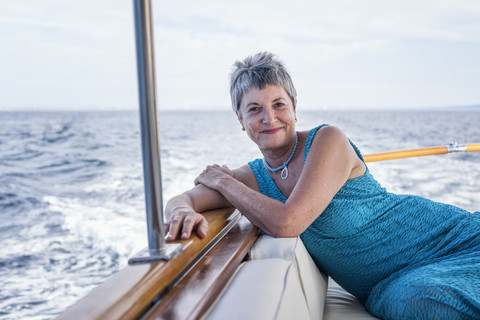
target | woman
x=402, y=256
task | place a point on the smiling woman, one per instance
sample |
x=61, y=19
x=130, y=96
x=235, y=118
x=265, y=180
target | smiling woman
x=266, y=114
x=381, y=247
x=264, y=99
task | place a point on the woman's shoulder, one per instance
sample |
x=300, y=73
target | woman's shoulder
x=324, y=134
x=331, y=132
x=332, y=145
x=325, y=128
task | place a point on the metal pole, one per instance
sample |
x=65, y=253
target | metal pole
x=157, y=249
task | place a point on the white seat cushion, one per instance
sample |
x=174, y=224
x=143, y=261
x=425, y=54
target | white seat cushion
x=262, y=289
x=341, y=305
x=314, y=283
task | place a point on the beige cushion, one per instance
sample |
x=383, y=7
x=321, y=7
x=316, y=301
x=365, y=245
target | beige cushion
x=341, y=305
x=262, y=289
x=314, y=283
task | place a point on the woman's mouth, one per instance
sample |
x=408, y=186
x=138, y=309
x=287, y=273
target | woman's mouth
x=271, y=131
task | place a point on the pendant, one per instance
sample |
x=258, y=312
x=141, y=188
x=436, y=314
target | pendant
x=284, y=173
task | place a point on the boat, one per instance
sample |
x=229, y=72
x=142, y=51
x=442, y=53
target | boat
x=236, y=272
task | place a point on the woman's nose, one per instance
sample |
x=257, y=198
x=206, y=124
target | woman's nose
x=268, y=115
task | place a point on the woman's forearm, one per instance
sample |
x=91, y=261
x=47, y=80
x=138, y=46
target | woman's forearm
x=272, y=216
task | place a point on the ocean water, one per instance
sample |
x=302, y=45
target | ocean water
x=72, y=206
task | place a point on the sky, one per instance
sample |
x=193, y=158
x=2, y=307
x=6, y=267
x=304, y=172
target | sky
x=341, y=54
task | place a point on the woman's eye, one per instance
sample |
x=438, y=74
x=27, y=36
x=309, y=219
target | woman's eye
x=279, y=104
x=253, y=109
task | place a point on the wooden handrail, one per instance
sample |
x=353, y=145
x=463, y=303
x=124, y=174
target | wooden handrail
x=130, y=292
x=199, y=289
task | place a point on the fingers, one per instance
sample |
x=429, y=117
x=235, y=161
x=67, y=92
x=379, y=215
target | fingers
x=196, y=222
x=172, y=228
x=197, y=179
x=202, y=228
x=184, y=224
x=211, y=174
x=188, y=224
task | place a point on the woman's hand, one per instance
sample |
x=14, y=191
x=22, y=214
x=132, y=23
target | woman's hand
x=182, y=211
x=212, y=175
x=184, y=220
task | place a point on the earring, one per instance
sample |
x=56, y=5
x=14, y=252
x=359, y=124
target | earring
x=243, y=129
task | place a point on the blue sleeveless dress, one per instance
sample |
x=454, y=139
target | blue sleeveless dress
x=402, y=256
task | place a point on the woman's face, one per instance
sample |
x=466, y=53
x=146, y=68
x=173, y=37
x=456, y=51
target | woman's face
x=268, y=116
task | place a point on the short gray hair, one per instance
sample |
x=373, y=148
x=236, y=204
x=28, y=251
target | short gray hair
x=258, y=71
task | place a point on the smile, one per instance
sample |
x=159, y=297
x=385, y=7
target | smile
x=271, y=131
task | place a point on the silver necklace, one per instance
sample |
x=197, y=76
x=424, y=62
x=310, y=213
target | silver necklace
x=284, y=173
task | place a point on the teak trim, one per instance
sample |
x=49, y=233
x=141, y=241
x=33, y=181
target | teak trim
x=132, y=290
x=192, y=297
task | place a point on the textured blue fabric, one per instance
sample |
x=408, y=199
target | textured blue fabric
x=402, y=256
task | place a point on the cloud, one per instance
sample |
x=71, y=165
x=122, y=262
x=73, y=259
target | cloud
x=59, y=54
x=79, y=53
x=333, y=20
x=318, y=40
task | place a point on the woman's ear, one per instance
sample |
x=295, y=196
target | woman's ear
x=239, y=117
x=295, y=109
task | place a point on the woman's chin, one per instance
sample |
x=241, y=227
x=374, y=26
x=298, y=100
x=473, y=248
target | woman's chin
x=269, y=144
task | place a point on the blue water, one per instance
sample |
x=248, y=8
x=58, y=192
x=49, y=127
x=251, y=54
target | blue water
x=71, y=188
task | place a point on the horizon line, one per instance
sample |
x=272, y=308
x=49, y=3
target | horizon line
x=200, y=109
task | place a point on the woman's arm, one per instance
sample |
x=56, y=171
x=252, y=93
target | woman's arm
x=182, y=212
x=330, y=163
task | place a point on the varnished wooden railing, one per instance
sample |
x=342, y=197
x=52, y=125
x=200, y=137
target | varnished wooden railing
x=195, y=293
x=173, y=292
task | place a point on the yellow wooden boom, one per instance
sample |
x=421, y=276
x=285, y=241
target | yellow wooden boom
x=422, y=152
